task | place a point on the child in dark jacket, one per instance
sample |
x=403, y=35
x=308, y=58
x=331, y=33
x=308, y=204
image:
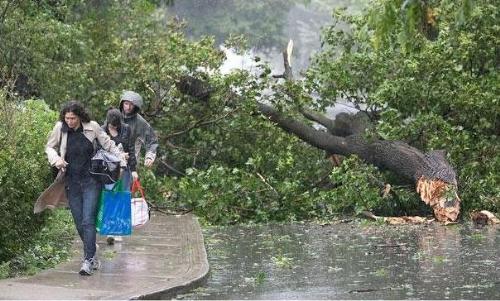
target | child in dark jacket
x=120, y=133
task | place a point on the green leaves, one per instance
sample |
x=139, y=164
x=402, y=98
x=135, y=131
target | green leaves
x=356, y=190
x=24, y=171
x=437, y=95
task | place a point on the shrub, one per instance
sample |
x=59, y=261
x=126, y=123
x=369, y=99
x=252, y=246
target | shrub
x=24, y=171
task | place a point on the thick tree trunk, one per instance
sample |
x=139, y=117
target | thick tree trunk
x=399, y=157
x=433, y=176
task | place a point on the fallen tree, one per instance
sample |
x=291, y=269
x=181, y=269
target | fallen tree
x=434, y=178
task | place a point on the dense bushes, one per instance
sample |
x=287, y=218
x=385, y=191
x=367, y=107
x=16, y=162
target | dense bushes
x=48, y=247
x=24, y=171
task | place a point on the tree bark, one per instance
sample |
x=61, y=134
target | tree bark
x=399, y=157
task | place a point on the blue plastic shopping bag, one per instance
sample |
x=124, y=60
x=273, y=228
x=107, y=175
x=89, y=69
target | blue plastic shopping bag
x=114, y=215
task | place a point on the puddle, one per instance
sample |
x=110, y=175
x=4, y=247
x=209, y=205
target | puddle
x=351, y=261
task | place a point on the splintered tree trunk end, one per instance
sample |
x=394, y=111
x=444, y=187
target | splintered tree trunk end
x=441, y=197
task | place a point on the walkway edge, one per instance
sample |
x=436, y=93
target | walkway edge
x=197, y=275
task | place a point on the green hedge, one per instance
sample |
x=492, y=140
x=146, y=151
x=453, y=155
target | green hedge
x=24, y=171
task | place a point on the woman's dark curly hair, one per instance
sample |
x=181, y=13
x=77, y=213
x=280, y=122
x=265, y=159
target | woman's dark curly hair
x=76, y=108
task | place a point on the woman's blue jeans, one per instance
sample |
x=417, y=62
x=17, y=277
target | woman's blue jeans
x=83, y=195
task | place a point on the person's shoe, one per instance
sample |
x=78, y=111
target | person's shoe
x=118, y=238
x=110, y=240
x=96, y=264
x=86, y=269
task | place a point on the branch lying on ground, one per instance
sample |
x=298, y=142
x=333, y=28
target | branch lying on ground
x=345, y=138
x=269, y=185
x=173, y=146
x=328, y=123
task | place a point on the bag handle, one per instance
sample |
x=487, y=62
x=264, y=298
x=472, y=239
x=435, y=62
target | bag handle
x=136, y=186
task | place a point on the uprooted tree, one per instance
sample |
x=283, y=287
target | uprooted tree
x=434, y=178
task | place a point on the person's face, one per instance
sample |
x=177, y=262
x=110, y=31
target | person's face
x=128, y=107
x=72, y=120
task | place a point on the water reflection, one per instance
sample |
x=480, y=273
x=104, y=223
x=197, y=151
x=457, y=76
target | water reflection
x=351, y=261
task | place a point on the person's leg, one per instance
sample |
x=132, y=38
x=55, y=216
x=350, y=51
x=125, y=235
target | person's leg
x=74, y=195
x=91, y=190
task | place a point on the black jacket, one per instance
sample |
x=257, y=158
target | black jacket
x=123, y=137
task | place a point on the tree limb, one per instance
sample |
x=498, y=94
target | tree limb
x=328, y=123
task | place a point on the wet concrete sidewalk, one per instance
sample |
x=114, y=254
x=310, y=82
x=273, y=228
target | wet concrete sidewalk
x=164, y=258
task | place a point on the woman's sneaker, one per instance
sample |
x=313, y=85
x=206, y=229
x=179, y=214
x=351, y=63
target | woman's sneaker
x=86, y=269
x=89, y=265
x=96, y=264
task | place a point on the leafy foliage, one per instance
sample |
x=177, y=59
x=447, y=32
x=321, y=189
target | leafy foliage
x=271, y=185
x=50, y=246
x=24, y=171
x=358, y=189
x=438, y=94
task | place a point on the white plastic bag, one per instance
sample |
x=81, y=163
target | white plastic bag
x=140, y=207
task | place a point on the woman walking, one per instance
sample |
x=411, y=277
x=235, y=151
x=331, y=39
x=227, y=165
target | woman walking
x=120, y=133
x=70, y=147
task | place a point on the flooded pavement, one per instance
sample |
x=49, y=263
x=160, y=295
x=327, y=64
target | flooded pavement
x=354, y=260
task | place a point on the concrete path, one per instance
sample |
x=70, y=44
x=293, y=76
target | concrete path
x=163, y=259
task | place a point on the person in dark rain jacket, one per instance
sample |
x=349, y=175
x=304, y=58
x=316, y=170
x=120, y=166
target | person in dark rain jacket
x=121, y=134
x=142, y=133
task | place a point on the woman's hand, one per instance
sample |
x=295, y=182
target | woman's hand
x=124, y=156
x=135, y=175
x=61, y=164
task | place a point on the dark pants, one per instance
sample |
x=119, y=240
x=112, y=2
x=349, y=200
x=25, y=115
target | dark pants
x=83, y=196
